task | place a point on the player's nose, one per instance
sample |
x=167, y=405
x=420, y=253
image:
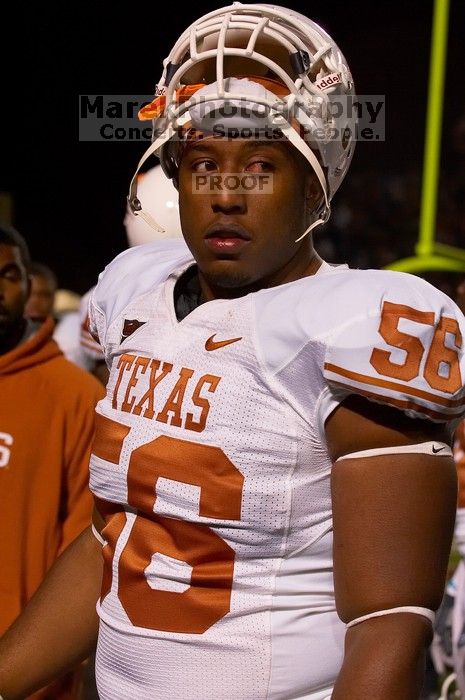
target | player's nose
x=229, y=199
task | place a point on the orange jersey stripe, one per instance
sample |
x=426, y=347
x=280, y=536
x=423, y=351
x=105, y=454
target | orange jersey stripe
x=395, y=386
x=412, y=405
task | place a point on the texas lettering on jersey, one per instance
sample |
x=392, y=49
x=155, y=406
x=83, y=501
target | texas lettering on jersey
x=186, y=406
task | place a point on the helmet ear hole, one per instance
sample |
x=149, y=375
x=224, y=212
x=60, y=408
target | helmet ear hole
x=169, y=167
x=168, y=162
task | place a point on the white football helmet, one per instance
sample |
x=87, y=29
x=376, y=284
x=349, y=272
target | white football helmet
x=161, y=199
x=276, y=63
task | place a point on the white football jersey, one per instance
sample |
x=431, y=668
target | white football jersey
x=211, y=468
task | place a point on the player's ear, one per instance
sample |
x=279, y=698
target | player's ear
x=313, y=193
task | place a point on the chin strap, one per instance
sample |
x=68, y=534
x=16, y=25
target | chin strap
x=298, y=142
x=318, y=222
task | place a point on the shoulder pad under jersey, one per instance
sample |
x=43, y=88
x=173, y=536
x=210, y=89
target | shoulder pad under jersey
x=389, y=336
x=132, y=273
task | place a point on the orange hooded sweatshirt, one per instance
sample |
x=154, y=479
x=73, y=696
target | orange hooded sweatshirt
x=46, y=427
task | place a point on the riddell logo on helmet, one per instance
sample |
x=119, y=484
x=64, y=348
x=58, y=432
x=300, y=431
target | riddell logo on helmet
x=329, y=81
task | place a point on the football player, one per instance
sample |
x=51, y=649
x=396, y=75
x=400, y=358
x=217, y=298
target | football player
x=272, y=468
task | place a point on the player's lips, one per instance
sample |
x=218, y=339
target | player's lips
x=226, y=238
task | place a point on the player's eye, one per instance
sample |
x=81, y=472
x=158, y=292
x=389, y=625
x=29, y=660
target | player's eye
x=12, y=274
x=204, y=166
x=259, y=166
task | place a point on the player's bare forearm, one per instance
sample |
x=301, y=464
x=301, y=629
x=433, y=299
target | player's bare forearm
x=59, y=626
x=384, y=659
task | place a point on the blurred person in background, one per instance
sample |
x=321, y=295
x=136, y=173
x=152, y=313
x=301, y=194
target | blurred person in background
x=40, y=304
x=448, y=647
x=62, y=306
x=46, y=428
x=68, y=328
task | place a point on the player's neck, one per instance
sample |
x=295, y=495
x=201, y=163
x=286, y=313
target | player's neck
x=292, y=271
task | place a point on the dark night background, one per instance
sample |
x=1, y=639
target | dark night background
x=69, y=196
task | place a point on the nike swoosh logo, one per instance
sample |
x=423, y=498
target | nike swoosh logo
x=211, y=344
x=438, y=450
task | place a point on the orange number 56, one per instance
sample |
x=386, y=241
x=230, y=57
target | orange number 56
x=207, y=599
x=441, y=370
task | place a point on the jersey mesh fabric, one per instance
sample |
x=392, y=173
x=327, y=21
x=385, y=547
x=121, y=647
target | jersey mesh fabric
x=257, y=431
